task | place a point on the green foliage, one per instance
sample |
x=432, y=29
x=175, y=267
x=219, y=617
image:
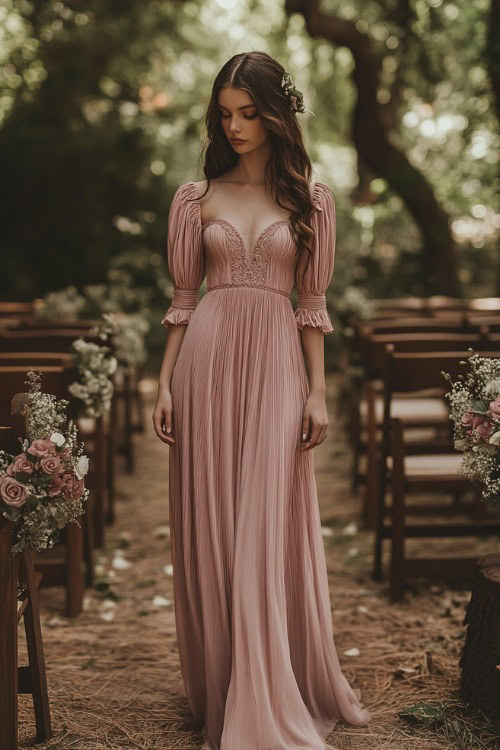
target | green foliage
x=101, y=114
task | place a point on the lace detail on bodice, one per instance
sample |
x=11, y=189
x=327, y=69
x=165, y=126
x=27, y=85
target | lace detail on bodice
x=249, y=270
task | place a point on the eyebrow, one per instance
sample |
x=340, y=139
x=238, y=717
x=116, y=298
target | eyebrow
x=243, y=107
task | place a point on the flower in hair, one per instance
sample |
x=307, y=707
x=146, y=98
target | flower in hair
x=295, y=96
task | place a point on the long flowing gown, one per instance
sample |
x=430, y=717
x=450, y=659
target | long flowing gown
x=252, y=608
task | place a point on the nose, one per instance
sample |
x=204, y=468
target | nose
x=234, y=127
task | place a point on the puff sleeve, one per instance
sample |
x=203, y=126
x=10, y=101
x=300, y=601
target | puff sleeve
x=314, y=272
x=186, y=263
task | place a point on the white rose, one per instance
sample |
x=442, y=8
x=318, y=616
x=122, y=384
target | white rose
x=58, y=439
x=495, y=438
x=82, y=467
x=460, y=445
x=113, y=364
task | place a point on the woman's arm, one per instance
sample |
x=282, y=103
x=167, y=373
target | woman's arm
x=162, y=415
x=315, y=416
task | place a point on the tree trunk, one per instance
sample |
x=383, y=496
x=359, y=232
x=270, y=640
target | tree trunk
x=480, y=659
x=371, y=139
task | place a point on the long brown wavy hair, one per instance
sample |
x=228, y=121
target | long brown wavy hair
x=288, y=171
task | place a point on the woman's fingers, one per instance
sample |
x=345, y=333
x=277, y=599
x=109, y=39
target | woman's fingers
x=162, y=419
x=318, y=434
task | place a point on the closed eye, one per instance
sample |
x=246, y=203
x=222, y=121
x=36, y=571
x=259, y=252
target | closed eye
x=247, y=117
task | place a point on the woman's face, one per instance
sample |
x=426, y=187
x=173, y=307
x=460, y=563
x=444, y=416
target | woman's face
x=240, y=119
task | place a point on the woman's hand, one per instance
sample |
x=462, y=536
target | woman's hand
x=314, y=422
x=162, y=416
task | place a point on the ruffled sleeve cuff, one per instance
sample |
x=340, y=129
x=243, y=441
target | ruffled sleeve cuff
x=314, y=318
x=311, y=311
x=183, y=305
x=176, y=316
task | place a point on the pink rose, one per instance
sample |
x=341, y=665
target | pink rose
x=467, y=419
x=42, y=448
x=20, y=463
x=483, y=430
x=494, y=410
x=74, y=486
x=77, y=489
x=56, y=486
x=50, y=464
x=13, y=492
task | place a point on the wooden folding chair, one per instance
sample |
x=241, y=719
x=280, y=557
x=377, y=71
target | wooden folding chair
x=422, y=474
x=66, y=571
x=19, y=584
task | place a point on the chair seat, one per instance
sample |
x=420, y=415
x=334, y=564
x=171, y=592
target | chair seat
x=431, y=465
x=412, y=410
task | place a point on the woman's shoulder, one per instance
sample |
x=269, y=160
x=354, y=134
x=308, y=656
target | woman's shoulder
x=321, y=195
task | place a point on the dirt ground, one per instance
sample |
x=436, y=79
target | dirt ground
x=113, y=673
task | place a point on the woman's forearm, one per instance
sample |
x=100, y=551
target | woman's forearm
x=313, y=348
x=173, y=344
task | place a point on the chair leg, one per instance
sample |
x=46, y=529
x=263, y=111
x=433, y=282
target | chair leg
x=139, y=426
x=74, y=577
x=397, y=578
x=8, y=643
x=99, y=475
x=111, y=448
x=88, y=541
x=372, y=460
x=129, y=443
x=35, y=650
x=379, y=500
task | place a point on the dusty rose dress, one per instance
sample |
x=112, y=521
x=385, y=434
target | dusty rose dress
x=252, y=605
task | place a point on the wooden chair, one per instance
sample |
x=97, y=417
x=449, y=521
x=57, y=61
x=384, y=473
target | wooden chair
x=19, y=584
x=57, y=571
x=421, y=411
x=42, y=359
x=422, y=474
x=370, y=343
x=96, y=433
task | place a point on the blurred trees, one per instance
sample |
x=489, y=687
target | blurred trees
x=101, y=116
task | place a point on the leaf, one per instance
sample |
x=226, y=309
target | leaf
x=479, y=406
x=423, y=713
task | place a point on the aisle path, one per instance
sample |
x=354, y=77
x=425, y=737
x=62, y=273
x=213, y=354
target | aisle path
x=113, y=673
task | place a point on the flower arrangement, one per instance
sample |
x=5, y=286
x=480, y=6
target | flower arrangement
x=65, y=304
x=42, y=487
x=475, y=410
x=128, y=332
x=94, y=365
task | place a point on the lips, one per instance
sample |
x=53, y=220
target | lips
x=237, y=140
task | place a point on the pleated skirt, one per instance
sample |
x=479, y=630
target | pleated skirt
x=252, y=608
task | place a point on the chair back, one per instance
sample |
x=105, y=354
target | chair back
x=55, y=380
x=43, y=339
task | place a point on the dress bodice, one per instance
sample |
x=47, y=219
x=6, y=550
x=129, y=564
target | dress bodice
x=215, y=249
x=270, y=263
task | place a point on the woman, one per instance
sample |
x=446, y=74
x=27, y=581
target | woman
x=241, y=418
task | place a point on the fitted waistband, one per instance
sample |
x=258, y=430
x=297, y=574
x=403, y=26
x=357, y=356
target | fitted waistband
x=252, y=286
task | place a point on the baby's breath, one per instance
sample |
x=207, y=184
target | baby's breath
x=475, y=423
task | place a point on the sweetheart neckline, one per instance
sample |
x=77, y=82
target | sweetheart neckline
x=249, y=257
